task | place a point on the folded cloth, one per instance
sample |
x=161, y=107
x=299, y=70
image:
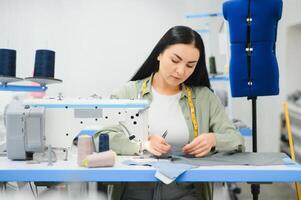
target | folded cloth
x=167, y=170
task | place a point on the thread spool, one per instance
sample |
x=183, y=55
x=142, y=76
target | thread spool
x=84, y=148
x=44, y=67
x=8, y=62
x=102, y=159
x=8, y=66
x=103, y=142
x=44, y=63
x=212, y=65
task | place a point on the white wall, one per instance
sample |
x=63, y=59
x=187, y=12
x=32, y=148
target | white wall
x=98, y=44
x=289, y=70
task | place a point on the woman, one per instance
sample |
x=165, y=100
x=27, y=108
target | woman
x=174, y=79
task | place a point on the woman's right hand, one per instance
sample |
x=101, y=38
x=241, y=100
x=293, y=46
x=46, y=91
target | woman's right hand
x=157, y=145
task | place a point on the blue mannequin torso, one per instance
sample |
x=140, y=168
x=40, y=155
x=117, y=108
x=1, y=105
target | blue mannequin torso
x=263, y=74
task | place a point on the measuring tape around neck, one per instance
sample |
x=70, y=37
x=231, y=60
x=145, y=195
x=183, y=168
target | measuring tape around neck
x=192, y=112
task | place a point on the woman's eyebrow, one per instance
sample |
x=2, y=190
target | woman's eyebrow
x=182, y=59
x=177, y=56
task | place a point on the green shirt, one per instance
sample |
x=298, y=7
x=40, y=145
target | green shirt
x=210, y=112
x=210, y=115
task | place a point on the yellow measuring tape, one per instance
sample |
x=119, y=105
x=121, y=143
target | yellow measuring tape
x=190, y=104
x=144, y=86
x=192, y=112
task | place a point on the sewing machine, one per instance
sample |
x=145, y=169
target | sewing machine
x=34, y=125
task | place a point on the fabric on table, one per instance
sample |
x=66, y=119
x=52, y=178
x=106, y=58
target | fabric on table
x=170, y=168
x=230, y=158
x=167, y=171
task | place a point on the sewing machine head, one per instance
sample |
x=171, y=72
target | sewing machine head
x=34, y=124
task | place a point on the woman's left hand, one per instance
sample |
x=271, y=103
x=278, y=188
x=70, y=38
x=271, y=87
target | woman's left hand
x=201, y=145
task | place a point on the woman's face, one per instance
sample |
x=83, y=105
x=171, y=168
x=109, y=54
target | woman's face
x=177, y=63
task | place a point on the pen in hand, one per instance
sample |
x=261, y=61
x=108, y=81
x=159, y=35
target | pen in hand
x=164, y=134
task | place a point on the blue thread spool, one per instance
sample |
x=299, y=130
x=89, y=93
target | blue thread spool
x=8, y=62
x=103, y=142
x=8, y=66
x=44, y=63
x=44, y=68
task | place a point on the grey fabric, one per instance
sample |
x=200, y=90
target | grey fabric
x=164, y=166
x=235, y=158
x=177, y=165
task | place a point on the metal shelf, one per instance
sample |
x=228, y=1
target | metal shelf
x=218, y=77
x=204, y=15
x=22, y=88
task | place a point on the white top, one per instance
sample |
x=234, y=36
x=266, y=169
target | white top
x=165, y=114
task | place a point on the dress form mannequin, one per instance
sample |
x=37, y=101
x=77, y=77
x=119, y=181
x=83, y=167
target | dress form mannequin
x=253, y=65
x=253, y=24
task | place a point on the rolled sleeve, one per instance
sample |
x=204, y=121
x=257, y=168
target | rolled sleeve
x=227, y=136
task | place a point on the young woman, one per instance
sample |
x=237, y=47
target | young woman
x=174, y=79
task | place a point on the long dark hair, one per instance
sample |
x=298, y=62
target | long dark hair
x=177, y=35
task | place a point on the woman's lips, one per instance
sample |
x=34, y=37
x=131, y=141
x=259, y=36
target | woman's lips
x=177, y=78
